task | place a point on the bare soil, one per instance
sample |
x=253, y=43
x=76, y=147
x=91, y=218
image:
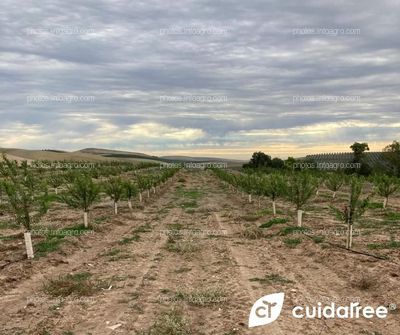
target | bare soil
x=186, y=249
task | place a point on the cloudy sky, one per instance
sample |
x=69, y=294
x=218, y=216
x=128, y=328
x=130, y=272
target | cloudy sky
x=215, y=78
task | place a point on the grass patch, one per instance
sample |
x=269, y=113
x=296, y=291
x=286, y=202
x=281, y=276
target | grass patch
x=189, y=204
x=292, y=230
x=8, y=225
x=100, y=219
x=392, y=216
x=189, y=193
x=251, y=232
x=146, y=228
x=169, y=323
x=272, y=279
x=202, y=297
x=78, y=284
x=274, y=221
x=48, y=245
x=127, y=240
x=318, y=239
x=387, y=245
x=10, y=237
x=181, y=247
x=375, y=205
x=55, y=237
x=292, y=242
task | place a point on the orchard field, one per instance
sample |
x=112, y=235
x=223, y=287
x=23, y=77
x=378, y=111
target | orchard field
x=164, y=251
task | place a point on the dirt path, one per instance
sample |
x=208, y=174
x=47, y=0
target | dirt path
x=184, y=251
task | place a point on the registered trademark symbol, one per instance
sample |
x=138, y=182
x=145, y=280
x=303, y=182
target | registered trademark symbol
x=392, y=307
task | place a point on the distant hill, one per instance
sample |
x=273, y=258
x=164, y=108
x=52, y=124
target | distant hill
x=201, y=159
x=100, y=154
x=53, y=155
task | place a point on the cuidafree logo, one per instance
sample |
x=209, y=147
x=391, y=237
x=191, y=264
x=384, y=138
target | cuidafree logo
x=266, y=309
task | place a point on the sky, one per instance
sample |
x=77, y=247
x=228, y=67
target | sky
x=200, y=78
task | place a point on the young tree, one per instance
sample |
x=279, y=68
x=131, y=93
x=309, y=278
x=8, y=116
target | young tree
x=82, y=194
x=354, y=208
x=144, y=184
x=27, y=197
x=56, y=180
x=392, y=153
x=131, y=191
x=114, y=188
x=273, y=186
x=386, y=186
x=334, y=182
x=301, y=187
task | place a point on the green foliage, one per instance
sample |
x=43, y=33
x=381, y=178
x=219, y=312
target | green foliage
x=386, y=185
x=131, y=189
x=114, y=188
x=334, y=181
x=301, y=187
x=82, y=193
x=274, y=221
x=27, y=194
x=272, y=185
x=56, y=180
x=392, y=154
x=355, y=206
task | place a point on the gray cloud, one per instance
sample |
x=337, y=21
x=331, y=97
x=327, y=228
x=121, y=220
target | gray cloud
x=121, y=54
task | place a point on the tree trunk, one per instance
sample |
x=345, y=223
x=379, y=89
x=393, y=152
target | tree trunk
x=299, y=217
x=349, y=241
x=249, y=198
x=148, y=193
x=154, y=190
x=385, y=202
x=317, y=193
x=115, y=208
x=28, y=244
x=274, y=207
x=130, y=205
x=334, y=195
x=56, y=190
x=140, y=197
x=85, y=219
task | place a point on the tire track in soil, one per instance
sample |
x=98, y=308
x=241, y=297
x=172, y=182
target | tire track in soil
x=212, y=266
x=114, y=307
